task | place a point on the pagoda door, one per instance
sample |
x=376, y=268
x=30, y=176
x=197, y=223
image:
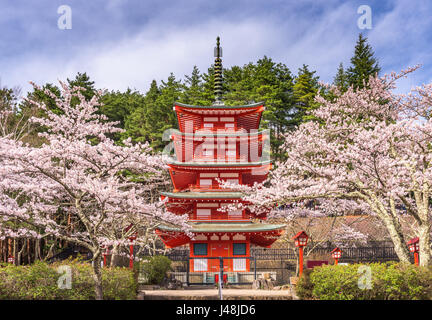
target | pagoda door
x=219, y=249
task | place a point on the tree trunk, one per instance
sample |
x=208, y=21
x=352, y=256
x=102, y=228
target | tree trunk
x=424, y=244
x=114, y=256
x=97, y=276
x=395, y=231
x=37, y=249
x=15, y=251
x=50, y=251
x=9, y=251
x=20, y=253
x=28, y=251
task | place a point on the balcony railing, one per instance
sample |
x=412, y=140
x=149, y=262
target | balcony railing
x=195, y=187
x=220, y=218
x=222, y=159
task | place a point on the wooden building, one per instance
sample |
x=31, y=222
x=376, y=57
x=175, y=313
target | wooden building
x=213, y=144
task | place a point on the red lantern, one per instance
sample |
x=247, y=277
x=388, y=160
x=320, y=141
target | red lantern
x=413, y=246
x=300, y=240
x=336, y=254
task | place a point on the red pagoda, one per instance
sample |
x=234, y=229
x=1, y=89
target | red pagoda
x=218, y=143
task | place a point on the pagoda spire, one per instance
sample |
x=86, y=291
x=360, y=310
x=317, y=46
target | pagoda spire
x=218, y=73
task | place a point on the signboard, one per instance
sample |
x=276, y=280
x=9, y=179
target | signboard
x=315, y=263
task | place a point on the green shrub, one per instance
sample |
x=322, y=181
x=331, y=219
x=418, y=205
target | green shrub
x=154, y=268
x=389, y=281
x=304, y=285
x=39, y=281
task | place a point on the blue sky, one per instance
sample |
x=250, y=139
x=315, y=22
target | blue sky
x=127, y=43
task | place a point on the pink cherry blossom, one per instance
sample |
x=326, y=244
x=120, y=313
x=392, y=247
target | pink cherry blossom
x=100, y=186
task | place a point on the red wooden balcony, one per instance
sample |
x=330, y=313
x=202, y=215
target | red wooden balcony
x=213, y=188
x=220, y=216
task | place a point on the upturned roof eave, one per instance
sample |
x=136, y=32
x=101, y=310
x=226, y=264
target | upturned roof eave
x=219, y=164
x=227, y=227
x=203, y=195
x=218, y=134
x=248, y=106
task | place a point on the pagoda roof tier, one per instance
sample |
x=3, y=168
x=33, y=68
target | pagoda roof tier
x=204, y=227
x=190, y=118
x=259, y=233
x=219, y=133
x=219, y=165
x=203, y=195
x=247, y=107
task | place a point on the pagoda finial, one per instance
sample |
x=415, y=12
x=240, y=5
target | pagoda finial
x=218, y=73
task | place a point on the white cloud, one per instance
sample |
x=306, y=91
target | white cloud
x=161, y=47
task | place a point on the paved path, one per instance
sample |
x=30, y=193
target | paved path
x=212, y=294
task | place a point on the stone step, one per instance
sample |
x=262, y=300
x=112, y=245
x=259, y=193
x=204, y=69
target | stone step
x=212, y=294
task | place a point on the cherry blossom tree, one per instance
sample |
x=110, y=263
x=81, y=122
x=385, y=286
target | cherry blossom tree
x=80, y=186
x=370, y=150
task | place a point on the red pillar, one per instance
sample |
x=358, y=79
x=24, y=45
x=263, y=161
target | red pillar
x=416, y=258
x=336, y=261
x=131, y=256
x=300, y=261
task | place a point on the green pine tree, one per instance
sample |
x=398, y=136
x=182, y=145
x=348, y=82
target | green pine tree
x=137, y=124
x=118, y=106
x=83, y=80
x=341, y=79
x=363, y=64
x=305, y=88
x=159, y=115
x=273, y=83
x=193, y=88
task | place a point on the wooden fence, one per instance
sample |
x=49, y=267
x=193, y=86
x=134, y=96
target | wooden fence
x=354, y=254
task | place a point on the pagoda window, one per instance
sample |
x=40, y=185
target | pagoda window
x=206, y=182
x=227, y=119
x=239, y=249
x=208, y=205
x=208, y=152
x=200, y=249
x=229, y=125
x=233, y=180
x=209, y=119
x=231, y=145
x=203, y=213
x=235, y=214
x=229, y=174
x=231, y=149
x=239, y=265
x=209, y=175
x=208, y=125
x=231, y=153
x=200, y=265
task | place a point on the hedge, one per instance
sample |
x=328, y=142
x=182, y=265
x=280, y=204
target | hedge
x=154, y=269
x=39, y=281
x=389, y=281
